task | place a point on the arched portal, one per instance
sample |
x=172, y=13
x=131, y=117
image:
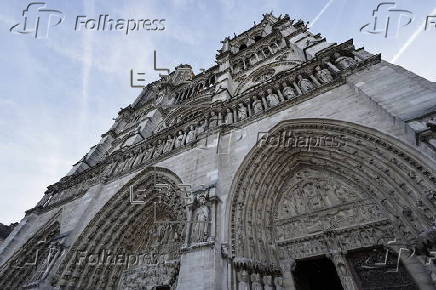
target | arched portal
x=134, y=241
x=314, y=188
x=30, y=265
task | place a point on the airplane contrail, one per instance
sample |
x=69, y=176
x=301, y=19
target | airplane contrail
x=415, y=35
x=311, y=23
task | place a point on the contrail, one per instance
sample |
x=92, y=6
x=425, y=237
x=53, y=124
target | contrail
x=411, y=39
x=311, y=23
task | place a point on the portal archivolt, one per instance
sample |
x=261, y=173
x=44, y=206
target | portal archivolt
x=353, y=188
x=130, y=242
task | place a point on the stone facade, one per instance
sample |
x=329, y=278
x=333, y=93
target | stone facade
x=288, y=150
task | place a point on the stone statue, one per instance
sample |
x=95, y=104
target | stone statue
x=323, y=75
x=278, y=282
x=149, y=152
x=242, y=113
x=168, y=145
x=158, y=149
x=202, y=127
x=256, y=283
x=268, y=283
x=243, y=280
x=200, y=225
x=305, y=85
x=288, y=92
x=343, y=62
x=273, y=99
x=229, y=117
x=191, y=135
x=257, y=105
x=213, y=120
x=180, y=140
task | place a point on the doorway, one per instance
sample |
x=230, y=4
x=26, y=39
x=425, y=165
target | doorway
x=315, y=274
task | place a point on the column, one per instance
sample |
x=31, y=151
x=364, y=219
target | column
x=297, y=88
x=343, y=270
x=315, y=80
x=332, y=67
x=279, y=93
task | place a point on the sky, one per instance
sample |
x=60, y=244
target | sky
x=59, y=93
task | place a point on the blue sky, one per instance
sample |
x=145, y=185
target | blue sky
x=58, y=95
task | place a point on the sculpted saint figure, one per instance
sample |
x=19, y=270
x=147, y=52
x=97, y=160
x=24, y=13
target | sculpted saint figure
x=229, y=117
x=273, y=99
x=278, y=281
x=323, y=75
x=244, y=280
x=200, y=225
x=288, y=92
x=268, y=283
x=149, y=152
x=305, y=84
x=213, y=120
x=202, y=127
x=180, y=140
x=158, y=149
x=168, y=145
x=242, y=112
x=256, y=283
x=257, y=105
x=343, y=62
x=191, y=134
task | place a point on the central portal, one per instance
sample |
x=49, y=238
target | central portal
x=314, y=274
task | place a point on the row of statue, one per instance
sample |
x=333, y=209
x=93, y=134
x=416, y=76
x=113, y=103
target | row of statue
x=255, y=281
x=255, y=57
x=255, y=105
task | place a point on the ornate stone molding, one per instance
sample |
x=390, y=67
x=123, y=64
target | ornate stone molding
x=388, y=173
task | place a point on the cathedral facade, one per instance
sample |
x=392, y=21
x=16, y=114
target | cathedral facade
x=293, y=163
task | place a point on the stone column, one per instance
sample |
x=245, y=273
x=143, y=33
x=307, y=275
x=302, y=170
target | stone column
x=250, y=109
x=288, y=280
x=343, y=270
x=315, y=81
x=279, y=93
x=213, y=203
x=188, y=224
x=297, y=88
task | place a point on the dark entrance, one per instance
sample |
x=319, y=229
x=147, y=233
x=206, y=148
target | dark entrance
x=316, y=274
x=163, y=288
